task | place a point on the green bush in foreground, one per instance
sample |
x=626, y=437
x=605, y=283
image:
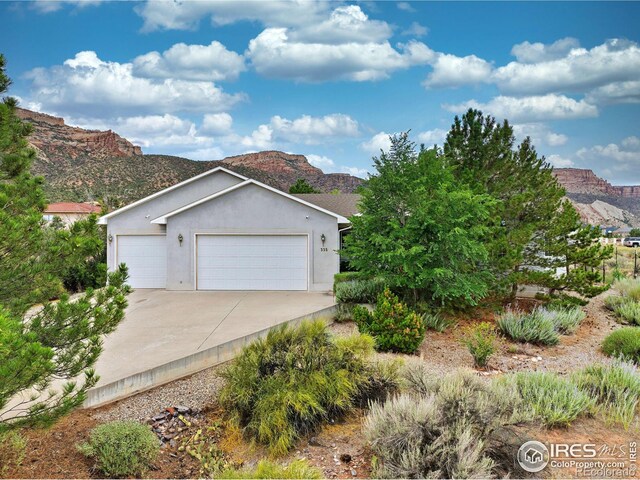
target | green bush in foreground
x=392, y=324
x=481, y=340
x=553, y=400
x=615, y=389
x=529, y=327
x=265, y=469
x=623, y=343
x=122, y=449
x=285, y=385
x=359, y=291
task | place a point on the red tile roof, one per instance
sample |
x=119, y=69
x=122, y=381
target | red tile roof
x=71, y=207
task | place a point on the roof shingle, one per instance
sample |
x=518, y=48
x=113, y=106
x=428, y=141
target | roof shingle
x=345, y=204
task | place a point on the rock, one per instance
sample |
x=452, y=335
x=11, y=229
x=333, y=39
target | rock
x=353, y=473
x=182, y=409
x=345, y=457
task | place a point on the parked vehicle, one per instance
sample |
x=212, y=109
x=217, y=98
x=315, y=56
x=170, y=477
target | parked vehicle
x=631, y=242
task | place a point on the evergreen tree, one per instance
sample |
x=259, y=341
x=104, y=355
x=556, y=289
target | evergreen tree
x=302, y=186
x=53, y=346
x=420, y=229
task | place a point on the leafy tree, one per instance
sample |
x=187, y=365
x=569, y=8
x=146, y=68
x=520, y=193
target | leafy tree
x=421, y=229
x=60, y=341
x=302, y=186
x=570, y=254
x=635, y=232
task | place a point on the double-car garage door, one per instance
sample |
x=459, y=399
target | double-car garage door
x=222, y=262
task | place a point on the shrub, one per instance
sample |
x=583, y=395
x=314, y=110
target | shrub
x=615, y=389
x=13, y=448
x=359, y=291
x=565, y=301
x=445, y=433
x=435, y=321
x=344, y=312
x=566, y=320
x=553, y=400
x=529, y=327
x=623, y=343
x=614, y=301
x=345, y=277
x=629, y=288
x=298, y=469
x=121, y=449
x=283, y=386
x=394, y=327
x=629, y=312
x=481, y=340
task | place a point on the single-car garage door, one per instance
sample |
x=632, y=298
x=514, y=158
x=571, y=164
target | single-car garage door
x=146, y=257
x=251, y=262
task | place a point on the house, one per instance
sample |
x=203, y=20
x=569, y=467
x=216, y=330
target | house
x=223, y=231
x=70, y=212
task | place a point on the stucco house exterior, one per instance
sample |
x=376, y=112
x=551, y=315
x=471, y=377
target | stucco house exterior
x=223, y=231
x=70, y=212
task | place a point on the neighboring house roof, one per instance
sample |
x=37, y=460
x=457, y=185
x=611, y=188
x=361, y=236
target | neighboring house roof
x=72, y=207
x=622, y=230
x=345, y=204
x=163, y=219
x=103, y=219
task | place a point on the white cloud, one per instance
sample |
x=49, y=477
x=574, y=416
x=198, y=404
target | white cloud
x=211, y=62
x=560, y=162
x=452, y=71
x=187, y=15
x=579, y=70
x=327, y=165
x=208, y=153
x=406, y=6
x=432, y=137
x=538, y=52
x=540, y=134
x=86, y=85
x=530, y=109
x=48, y=6
x=631, y=143
x=217, y=123
x=618, y=92
x=416, y=30
x=380, y=141
x=260, y=139
x=623, y=161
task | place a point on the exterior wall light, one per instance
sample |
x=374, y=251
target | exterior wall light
x=110, y=238
x=323, y=238
x=180, y=238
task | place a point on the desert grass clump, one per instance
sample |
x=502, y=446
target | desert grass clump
x=13, y=448
x=344, y=312
x=615, y=389
x=534, y=327
x=566, y=320
x=435, y=321
x=629, y=312
x=285, y=385
x=266, y=469
x=121, y=449
x=628, y=288
x=623, y=343
x=614, y=301
x=445, y=433
x=394, y=326
x=552, y=399
x=364, y=290
x=481, y=341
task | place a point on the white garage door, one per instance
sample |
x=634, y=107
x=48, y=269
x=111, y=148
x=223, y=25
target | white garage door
x=146, y=257
x=252, y=262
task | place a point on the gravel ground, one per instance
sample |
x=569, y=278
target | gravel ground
x=196, y=392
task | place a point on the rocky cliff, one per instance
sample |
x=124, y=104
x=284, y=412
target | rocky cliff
x=579, y=180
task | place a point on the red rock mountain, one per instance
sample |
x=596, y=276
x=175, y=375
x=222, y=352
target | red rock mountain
x=578, y=180
x=85, y=165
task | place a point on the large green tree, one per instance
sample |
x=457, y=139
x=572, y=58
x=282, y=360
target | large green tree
x=421, y=229
x=46, y=352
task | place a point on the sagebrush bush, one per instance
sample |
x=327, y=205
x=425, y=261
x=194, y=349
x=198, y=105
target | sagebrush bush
x=552, y=399
x=392, y=324
x=359, y=291
x=629, y=312
x=265, y=469
x=443, y=430
x=566, y=320
x=615, y=389
x=529, y=327
x=613, y=301
x=344, y=312
x=345, y=277
x=481, y=340
x=623, y=343
x=283, y=386
x=629, y=288
x=122, y=449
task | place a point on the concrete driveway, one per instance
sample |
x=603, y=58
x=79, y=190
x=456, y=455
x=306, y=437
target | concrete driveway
x=161, y=326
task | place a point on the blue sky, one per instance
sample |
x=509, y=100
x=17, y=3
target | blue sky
x=331, y=80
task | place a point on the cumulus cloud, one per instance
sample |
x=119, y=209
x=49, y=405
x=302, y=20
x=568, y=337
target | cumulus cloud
x=406, y=6
x=527, y=52
x=306, y=129
x=380, y=141
x=540, y=134
x=48, y=6
x=416, y=30
x=217, y=123
x=437, y=136
x=211, y=62
x=618, y=92
x=560, y=162
x=171, y=15
x=87, y=85
x=530, y=109
x=622, y=160
x=579, y=70
x=327, y=165
x=453, y=71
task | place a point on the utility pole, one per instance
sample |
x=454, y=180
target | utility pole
x=635, y=262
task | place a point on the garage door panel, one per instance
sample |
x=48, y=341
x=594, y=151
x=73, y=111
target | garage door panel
x=252, y=262
x=146, y=259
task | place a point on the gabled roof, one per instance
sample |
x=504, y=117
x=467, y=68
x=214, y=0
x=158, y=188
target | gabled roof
x=103, y=220
x=72, y=207
x=345, y=204
x=163, y=219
